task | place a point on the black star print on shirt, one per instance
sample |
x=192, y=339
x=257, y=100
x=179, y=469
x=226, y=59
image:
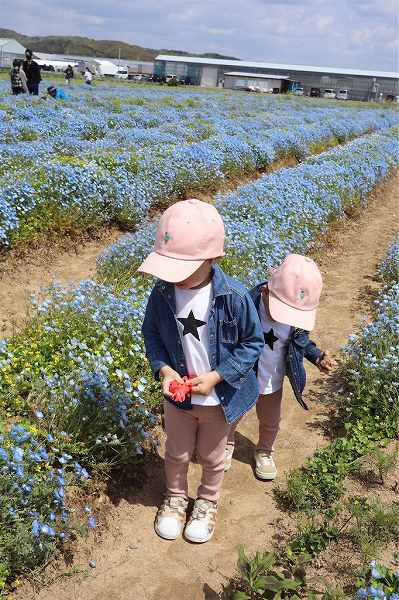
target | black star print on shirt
x=191, y=325
x=270, y=338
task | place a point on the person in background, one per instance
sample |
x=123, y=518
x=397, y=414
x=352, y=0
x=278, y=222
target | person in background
x=88, y=76
x=68, y=74
x=18, y=78
x=56, y=93
x=32, y=71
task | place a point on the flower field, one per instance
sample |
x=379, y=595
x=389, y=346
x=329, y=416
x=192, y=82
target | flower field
x=76, y=395
x=110, y=155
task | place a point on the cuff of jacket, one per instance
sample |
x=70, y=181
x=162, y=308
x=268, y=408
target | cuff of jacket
x=315, y=355
x=231, y=373
x=156, y=366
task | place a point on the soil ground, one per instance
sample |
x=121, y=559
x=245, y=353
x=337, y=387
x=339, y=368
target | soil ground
x=132, y=563
x=22, y=276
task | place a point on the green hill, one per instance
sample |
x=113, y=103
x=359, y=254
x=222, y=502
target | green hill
x=76, y=45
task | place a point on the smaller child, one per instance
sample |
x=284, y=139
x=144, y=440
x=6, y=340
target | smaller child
x=286, y=305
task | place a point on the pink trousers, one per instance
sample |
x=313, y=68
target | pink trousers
x=268, y=410
x=204, y=430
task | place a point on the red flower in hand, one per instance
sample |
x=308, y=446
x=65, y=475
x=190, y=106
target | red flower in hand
x=179, y=390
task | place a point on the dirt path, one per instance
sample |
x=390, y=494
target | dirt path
x=132, y=562
x=21, y=278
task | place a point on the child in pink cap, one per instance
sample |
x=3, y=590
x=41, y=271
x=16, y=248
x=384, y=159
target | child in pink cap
x=286, y=305
x=201, y=324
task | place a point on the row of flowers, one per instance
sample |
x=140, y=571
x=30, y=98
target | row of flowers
x=91, y=161
x=280, y=212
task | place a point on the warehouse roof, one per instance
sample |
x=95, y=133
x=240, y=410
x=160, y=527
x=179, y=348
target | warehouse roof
x=261, y=65
x=257, y=75
x=11, y=46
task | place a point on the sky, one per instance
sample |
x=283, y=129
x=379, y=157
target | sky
x=360, y=34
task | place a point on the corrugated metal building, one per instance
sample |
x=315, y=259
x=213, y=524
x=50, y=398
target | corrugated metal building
x=208, y=72
x=237, y=80
x=10, y=49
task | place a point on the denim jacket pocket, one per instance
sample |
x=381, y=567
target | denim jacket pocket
x=228, y=331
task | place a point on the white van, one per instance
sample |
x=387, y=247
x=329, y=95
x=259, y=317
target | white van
x=329, y=94
x=343, y=95
x=121, y=74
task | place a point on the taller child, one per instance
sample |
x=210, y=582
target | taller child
x=202, y=324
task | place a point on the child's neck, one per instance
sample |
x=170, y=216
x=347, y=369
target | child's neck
x=203, y=284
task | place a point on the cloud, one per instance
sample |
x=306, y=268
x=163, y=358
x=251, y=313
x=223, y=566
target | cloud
x=359, y=33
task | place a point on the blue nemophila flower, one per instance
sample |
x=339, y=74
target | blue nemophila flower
x=36, y=527
x=47, y=530
x=19, y=433
x=39, y=414
x=3, y=454
x=18, y=454
x=92, y=522
x=65, y=458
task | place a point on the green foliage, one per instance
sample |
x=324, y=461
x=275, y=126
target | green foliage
x=264, y=579
x=312, y=537
x=385, y=462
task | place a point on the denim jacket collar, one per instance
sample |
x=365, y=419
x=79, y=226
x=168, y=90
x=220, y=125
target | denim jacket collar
x=220, y=287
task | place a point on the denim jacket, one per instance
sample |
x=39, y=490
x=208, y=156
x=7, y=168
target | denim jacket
x=235, y=341
x=299, y=346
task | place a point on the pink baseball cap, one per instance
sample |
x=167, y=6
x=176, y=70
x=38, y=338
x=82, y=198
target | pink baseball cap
x=294, y=292
x=189, y=233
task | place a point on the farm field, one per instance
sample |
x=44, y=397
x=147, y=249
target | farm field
x=78, y=404
x=109, y=155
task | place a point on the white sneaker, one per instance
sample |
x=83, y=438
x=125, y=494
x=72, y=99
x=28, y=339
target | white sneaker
x=265, y=467
x=171, y=517
x=201, y=525
x=228, y=455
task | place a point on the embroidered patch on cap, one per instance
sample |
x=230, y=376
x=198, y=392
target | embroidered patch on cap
x=167, y=237
x=301, y=295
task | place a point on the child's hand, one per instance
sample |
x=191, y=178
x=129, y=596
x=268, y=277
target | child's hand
x=204, y=384
x=326, y=363
x=168, y=374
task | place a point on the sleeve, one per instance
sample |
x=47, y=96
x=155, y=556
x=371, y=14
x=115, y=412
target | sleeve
x=311, y=352
x=236, y=367
x=156, y=351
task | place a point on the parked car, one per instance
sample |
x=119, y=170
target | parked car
x=329, y=94
x=121, y=74
x=343, y=95
x=299, y=91
x=315, y=92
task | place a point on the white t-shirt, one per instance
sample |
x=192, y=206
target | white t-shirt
x=271, y=366
x=192, y=313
